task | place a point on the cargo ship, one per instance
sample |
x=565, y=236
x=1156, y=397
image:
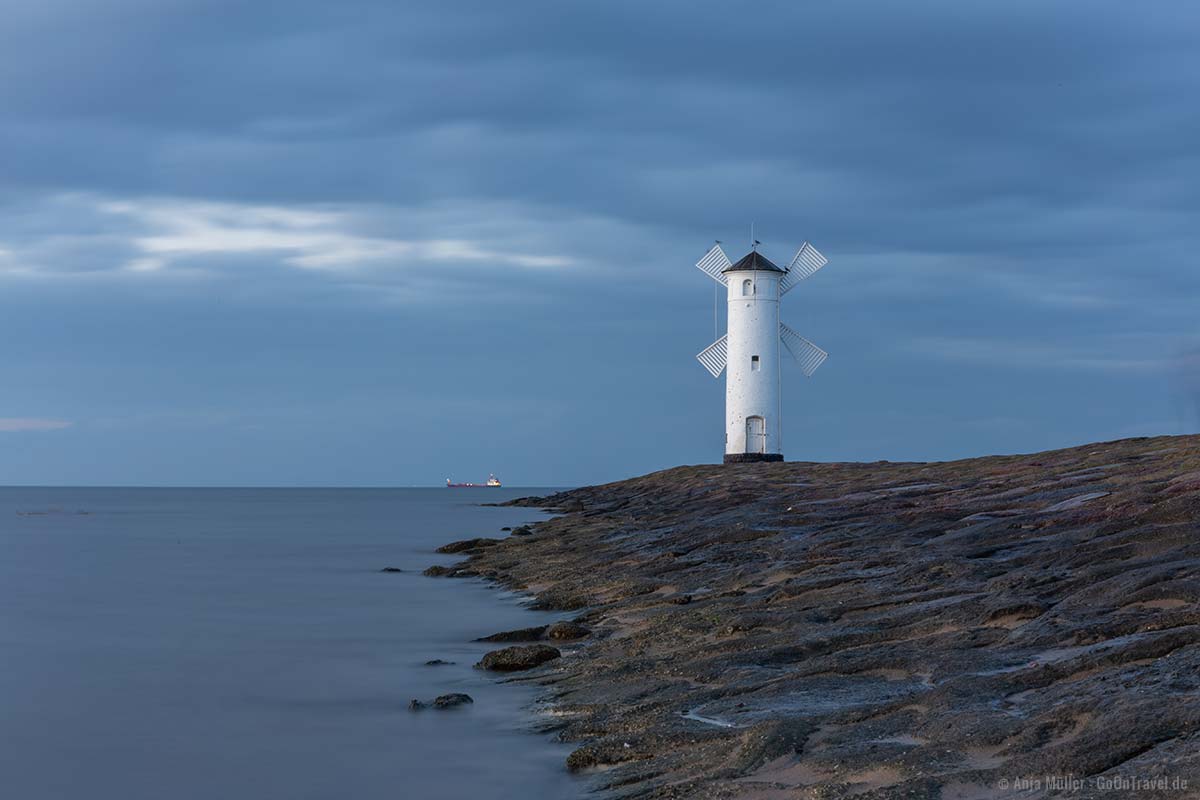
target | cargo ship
x=491, y=481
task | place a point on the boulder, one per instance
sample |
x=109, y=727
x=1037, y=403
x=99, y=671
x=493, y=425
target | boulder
x=451, y=700
x=441, y=701
x=437, y=662
x=522, y=530
x=511, y=659
x=391, y=569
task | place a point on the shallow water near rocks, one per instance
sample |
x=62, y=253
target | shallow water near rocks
x=201, y=643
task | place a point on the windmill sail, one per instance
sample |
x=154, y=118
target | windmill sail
x=713, y=263
x=807, y=354
x=713, y=357
x=807, y=261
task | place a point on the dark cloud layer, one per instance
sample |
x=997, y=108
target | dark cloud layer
x=1007, y=191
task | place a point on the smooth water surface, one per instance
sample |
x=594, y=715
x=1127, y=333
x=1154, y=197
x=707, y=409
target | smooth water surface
x=242, y=643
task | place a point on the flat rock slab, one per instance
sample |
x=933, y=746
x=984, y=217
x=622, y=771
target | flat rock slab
x=1074, y=502
x=908, y=630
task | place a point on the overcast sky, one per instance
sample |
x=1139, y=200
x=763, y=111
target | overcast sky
x=383, y=243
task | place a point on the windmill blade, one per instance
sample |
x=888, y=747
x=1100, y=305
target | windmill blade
x=807, y=354
x=807, y=261
x=713, y=263
x=713, y=357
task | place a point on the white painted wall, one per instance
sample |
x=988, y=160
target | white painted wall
x=753, y=330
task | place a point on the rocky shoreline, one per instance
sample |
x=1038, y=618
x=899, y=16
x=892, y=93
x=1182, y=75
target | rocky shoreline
x=1011, y=626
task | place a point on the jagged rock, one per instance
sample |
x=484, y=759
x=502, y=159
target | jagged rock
x=415, y=705
x=511, y=659
x=391, y=569
x=438, y=571
x=522, y=530
x=519, y=635
x=437, y=662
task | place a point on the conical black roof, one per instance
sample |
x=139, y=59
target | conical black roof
x=753, y=260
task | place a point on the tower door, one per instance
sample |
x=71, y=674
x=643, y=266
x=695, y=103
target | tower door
x=756, y=435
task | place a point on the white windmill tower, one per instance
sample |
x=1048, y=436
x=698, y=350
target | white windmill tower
x=749, y=350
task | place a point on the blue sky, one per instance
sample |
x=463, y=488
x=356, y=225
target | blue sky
x=382, y=243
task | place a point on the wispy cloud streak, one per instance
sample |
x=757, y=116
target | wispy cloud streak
x=26, y=424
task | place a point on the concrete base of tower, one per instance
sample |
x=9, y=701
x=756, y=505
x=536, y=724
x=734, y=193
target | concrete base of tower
x=748, y=458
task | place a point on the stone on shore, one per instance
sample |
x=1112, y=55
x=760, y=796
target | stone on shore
x=468, y=545
x=454, y=571
x=519, y=635
x=520, y=657
x=566, y=631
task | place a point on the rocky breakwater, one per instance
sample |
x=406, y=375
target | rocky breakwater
x=884, y=630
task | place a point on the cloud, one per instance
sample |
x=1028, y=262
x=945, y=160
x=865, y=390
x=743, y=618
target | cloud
x=95, y=236
x=169, y=232
x=358, y=144
x=1009, y=185
x=321, y=239
x=23, y=424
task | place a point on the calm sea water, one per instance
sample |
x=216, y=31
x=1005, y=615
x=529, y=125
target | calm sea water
x=242, y=643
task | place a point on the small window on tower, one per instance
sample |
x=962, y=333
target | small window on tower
x=747, y=287
x=754, y=363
